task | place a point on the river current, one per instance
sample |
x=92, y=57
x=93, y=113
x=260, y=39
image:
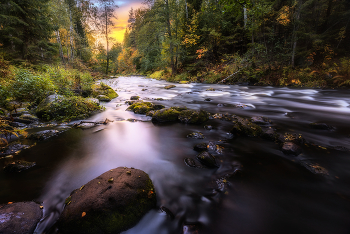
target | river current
x=272, y=193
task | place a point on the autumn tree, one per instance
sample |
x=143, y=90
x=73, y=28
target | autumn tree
x=105, y=23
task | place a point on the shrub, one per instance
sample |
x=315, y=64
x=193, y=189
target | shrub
x=30, y=87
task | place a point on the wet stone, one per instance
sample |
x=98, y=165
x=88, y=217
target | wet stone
x=190, y=229
x=190, y=162
x=134, y=98
x=201, y=147
x=290, y=148
x=104, y=205
x=13, y=148
x=269, y=134
x=207, y=159
x=259, y=120
x=169, y=86
x=43, y=135
x=320, y=126
x=19, y=217
x=196, y=135
x=292, y=137
x=208, y=127
x=19, y=166
x=208, y=99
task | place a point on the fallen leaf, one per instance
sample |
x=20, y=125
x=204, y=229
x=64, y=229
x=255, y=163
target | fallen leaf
x=10, y=203
x=83, y=214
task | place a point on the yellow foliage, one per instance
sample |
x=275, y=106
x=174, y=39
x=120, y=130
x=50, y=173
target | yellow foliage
x=284, y=15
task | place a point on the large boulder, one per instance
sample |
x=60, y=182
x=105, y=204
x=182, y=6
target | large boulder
x=244, y=127
x=20, y=217
x=66, y=108
x=181, y=114
x=105, y=90
x=141, y=107
x=111, y=203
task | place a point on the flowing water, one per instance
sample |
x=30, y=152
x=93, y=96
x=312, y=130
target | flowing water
x=273, y=193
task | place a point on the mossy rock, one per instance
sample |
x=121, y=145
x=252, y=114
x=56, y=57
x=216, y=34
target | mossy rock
x=134, y=98
x=66, y=108
x=143, y=107
x=181, y=114
x=244, y=127
x=103, y=98
x=166, y=115
x=193, y=116
x=103, y=89
x=111, y=203
x=170, y=86
x=184, y=82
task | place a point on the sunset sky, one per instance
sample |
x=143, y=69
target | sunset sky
x=122, y=14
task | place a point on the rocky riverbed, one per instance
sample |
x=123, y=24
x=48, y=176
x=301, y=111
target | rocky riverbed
x=221, y=158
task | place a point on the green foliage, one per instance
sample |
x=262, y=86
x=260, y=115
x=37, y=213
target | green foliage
x=68, y=108
x=28, y=86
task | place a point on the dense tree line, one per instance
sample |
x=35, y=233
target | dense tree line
x=189, y=35
x=178, y=36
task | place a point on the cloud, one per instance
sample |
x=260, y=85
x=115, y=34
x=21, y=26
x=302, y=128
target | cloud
x=118, y=28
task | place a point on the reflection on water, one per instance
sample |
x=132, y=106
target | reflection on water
x=273, y=194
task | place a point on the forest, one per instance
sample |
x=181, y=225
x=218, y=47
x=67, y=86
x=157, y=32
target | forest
x=267, y=42
x=210, y=116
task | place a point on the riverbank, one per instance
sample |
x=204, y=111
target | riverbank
x=335, y=74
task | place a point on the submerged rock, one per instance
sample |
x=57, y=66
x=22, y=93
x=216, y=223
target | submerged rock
x=12, y=149
x=292, y=137
x=201, y=147
x=43, y=135
x=19, y=166
x=169, y=86
x=260, y=120
x=190, y=162
x=19, y=217
x=321, y=126
x=208, y=127
x=269, y=134
x=195, y=135
x=245, y=128
x=290, y=148
x=207, y=159
x=111, y=203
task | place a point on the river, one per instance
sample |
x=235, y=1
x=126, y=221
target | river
x=272, y=193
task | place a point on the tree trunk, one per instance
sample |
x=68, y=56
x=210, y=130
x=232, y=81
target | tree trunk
x=245, y=17
x=60, y=45
x=171, y=46
x=107, y=42
x=71, y=37
x=294, y=37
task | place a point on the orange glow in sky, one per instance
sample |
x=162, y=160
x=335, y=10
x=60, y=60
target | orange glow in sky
x=122, y=14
